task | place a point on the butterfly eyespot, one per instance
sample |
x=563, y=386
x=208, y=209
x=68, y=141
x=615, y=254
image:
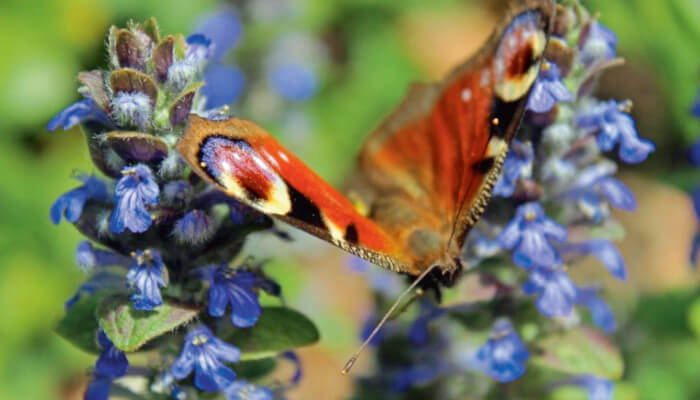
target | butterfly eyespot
x=242, y=172
x=519, y=56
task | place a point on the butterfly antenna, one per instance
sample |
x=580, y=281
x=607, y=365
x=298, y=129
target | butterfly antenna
x=385, y=318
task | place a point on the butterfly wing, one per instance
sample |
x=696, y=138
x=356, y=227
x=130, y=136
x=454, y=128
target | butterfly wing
x=248, y=164
x=439, y=154
x=436, y=156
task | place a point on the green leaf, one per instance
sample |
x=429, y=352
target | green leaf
x=278, y=329
x=254, y=369
x=130, y=329
x=79, y=324
x=580, y=351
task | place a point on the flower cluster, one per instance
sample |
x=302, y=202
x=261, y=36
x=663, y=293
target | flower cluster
x=165, y=237
x=551, y=208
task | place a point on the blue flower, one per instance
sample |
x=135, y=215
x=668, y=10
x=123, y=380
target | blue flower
x=71, y=203
x=600, y=312
x=518, y=164
x=696, y=107
x=529, y=233
x=135, y=191
x=504, y=355
x=214, y=38
x=223, y=28
x=418, y=331
x=204, y=353
x=415, y=375
x=89, y=258
x=132, y=110
x=556, y=292
x=298, y=372
x=147, y=275
x=293, y=81
x=81, y=111
x=597, y=42
x=112, y=362
x=234, y=287
x=695, y=250
x=98, y=389
x=195, y=227
x=242, y=390
x=224, y=85
x=694, y=153
x=594, y=189
x=548, y=89
x=612, y=125
x=596, y=388
x=605, y=251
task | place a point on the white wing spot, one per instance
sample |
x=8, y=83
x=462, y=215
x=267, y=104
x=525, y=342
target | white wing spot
x=283, y=156
x=466, y=95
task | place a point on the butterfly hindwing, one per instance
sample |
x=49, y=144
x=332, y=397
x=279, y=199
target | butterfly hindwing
x=428, y=168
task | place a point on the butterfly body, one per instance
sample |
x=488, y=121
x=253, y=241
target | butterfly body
x=426, y=173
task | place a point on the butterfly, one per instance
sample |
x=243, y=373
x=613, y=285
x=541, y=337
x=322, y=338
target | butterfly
x=425, y=173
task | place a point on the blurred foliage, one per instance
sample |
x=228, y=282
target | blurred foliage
x=45, y=43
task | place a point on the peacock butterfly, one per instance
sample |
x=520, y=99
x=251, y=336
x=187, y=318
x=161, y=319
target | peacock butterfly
x=426, y=172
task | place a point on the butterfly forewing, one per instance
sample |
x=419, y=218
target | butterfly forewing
x=444, y=146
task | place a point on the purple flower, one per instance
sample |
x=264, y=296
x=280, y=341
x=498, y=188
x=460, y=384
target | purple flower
x=147, y=275
x=135, y=191
x=234, y=287
x=696, y=107
x=600, y=312
x=530, y=233
x=293, y=81
x=548, y=89
x=602, y=249
x=71, y=203
x=518, y=164
x=78, y=112
x=613, y=125
x=596, y=43
x=195, y=227
x=204, y=353
x=504, y=354
x=556, y=292
x=242, y=390
x=89, y=258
